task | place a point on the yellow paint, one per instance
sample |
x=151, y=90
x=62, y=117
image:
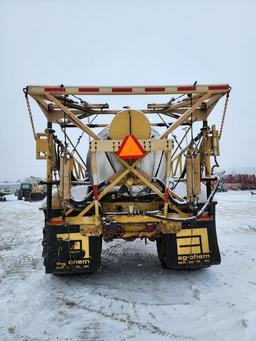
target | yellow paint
x=41, y=146
x=130, y=122
x=77, y=236
x=184, y=245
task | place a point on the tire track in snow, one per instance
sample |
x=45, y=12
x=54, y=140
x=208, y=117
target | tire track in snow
x=131, y=323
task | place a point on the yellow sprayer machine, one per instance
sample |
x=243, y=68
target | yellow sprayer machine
x=144, y=173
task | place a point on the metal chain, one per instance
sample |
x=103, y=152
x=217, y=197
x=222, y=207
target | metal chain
x=30, y=113
x=224, y=114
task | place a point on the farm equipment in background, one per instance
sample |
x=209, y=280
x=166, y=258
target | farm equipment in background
x=147, y=174
x=3, y=193
x=240, y=181
x=38, y=192
x=31, y=191
x=24, y=191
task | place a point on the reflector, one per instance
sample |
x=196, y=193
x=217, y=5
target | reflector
x=130, y=148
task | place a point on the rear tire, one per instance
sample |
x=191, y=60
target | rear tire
x=167, y=253
x=57, y=250
x=19, y=196
x=162, y=252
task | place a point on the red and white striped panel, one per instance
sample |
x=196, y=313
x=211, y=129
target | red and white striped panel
x=125, y=90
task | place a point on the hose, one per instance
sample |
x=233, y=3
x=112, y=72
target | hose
x=189, y=219
x=181, y=204
x=87, y=198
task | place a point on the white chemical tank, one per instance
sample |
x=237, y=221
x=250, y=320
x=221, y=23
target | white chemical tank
x=128, y=122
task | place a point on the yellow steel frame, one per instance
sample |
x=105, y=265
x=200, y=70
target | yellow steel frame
x=196, y=107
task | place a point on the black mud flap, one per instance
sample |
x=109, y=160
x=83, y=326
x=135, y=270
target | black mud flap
x=66, y=251
x=194, y=247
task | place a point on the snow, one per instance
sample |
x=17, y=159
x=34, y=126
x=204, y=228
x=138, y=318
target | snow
x=132, y=298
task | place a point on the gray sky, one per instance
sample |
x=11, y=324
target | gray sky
x=134, y=42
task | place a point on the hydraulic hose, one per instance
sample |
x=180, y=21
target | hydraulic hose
x=87, y=198
x=180, y=204
x=189, y=219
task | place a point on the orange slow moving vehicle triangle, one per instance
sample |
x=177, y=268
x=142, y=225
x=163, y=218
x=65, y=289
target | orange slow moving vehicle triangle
x=130, y=148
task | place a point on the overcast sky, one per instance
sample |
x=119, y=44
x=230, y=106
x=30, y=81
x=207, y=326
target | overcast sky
x=136, y=42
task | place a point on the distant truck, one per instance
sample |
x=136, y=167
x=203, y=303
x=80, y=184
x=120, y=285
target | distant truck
x=30, y=192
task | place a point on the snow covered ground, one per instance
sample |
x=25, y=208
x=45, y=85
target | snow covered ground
x=132, y=298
